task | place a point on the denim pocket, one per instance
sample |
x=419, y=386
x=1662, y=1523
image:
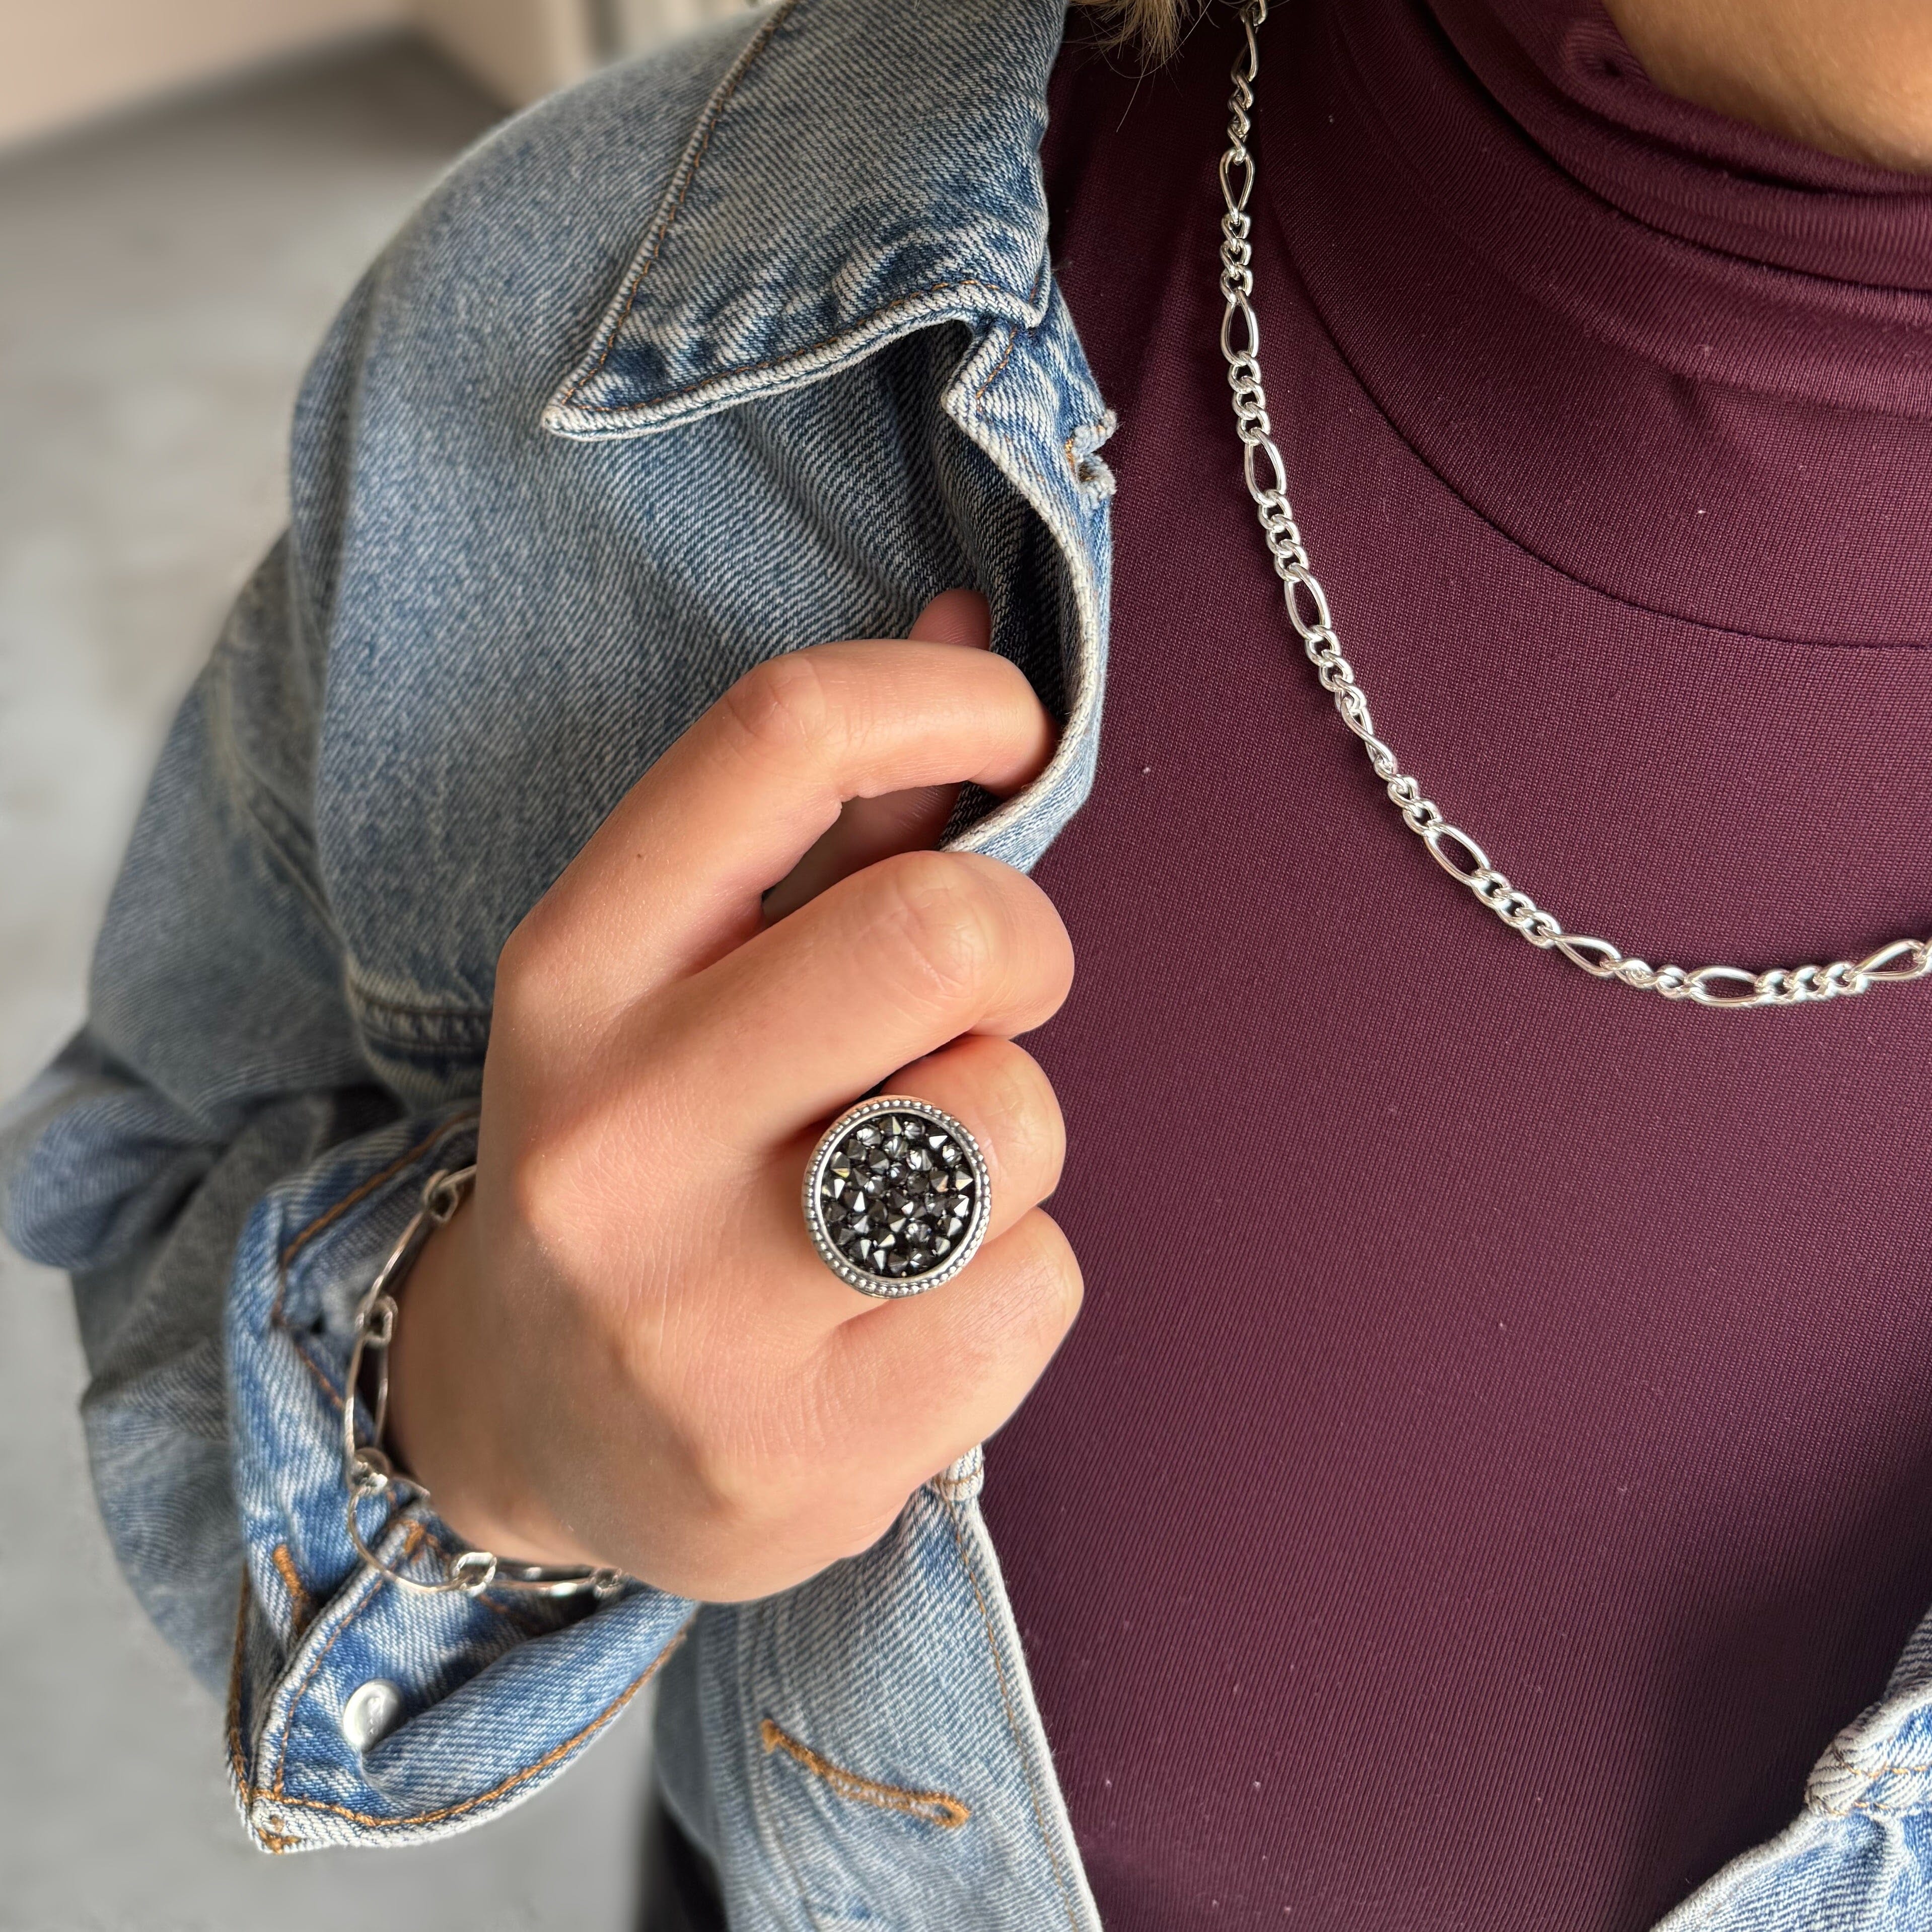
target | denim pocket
x=872, y=1736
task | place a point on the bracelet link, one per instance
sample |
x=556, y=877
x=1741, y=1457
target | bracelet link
x=366, y=1469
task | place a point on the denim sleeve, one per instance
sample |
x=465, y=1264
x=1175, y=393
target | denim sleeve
x=213, y=1160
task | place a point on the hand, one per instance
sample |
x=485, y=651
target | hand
x=624, y=1350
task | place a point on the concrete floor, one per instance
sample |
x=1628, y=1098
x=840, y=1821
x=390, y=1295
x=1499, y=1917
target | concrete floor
x=162, y=282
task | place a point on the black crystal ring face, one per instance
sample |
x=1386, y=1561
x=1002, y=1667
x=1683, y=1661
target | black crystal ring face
x=896, y=1197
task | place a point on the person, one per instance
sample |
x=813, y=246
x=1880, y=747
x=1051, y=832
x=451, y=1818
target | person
x=1484, y=1486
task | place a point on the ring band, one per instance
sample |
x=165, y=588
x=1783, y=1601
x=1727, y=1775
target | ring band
x=897, y=1196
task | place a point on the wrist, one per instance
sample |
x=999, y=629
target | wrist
x=444, y=1429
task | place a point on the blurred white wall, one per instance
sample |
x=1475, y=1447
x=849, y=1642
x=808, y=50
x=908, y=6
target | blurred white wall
x=635, y=25
x=65, y=61
x=163, y=279
x=522, y=48
x=62, y=61
x=518, y=49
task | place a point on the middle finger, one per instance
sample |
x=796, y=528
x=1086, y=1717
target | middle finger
x=883, y=968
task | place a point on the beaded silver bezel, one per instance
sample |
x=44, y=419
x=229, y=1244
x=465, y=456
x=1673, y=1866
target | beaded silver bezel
x=892, y=1288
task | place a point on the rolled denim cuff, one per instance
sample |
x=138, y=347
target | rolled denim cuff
x=485, y=1698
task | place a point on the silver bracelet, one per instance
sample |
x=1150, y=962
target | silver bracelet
x=368, y=1471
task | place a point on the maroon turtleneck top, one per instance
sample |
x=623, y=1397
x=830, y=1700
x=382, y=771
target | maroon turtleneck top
x=1496, y=1453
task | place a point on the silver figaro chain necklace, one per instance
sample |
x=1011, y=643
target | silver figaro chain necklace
x=1452, y=848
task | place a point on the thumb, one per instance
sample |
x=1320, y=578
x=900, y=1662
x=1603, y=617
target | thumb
x=868, y=829
x=955, y=617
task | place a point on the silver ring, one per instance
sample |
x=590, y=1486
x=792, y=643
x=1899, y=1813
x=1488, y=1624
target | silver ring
x=897, y=1196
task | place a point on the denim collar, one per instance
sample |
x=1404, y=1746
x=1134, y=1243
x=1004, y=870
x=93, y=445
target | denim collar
x=865, y=169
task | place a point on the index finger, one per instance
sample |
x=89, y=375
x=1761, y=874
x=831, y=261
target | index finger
x=673, y=879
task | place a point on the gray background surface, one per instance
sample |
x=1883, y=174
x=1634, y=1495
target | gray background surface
x=162, y=281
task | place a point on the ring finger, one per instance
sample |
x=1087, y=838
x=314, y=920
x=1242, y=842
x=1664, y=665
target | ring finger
x=999, y=1093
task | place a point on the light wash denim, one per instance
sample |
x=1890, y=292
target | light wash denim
x=752, y=345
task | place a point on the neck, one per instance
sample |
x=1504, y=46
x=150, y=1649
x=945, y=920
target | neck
x=1853, y=77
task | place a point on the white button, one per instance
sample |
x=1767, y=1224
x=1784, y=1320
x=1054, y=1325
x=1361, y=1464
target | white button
x=371, y=1713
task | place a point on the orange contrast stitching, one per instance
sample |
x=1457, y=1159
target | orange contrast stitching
x=300, y=1609
x=1869, y=1772
x=509, y=1784
x=248, y=1791
x=1012, y=1720
x=412, y=1541
x=270, y=1835
x=350, y=1199
x=980, y=394
x=993, y=375
x=714, y=113
x=237, y=1760
x=331, y=1392
x=1872, y=1807
x=935, y=1806
x=316, y=1226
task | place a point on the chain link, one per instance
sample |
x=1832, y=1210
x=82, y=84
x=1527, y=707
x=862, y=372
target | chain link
x=1452, y=848
x=368, y=1471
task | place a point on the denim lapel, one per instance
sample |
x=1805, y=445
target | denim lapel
x=865, y=169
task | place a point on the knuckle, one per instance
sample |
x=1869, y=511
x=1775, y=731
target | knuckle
x=779, y=708
x=1016, y=1115
x=541, y=1193
x=719, y=1473
x=555, y=1174
x=1050, y=1279
x=725, y=1485
x=745, y=1471
x=939, y=924
x=530, y=972
x=1024, y=1107
x=1050, y=952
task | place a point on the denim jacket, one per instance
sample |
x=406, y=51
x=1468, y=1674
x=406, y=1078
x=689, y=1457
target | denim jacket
x=753, y=344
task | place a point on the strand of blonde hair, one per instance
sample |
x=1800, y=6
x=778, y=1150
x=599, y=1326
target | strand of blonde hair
x=1154, y=26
